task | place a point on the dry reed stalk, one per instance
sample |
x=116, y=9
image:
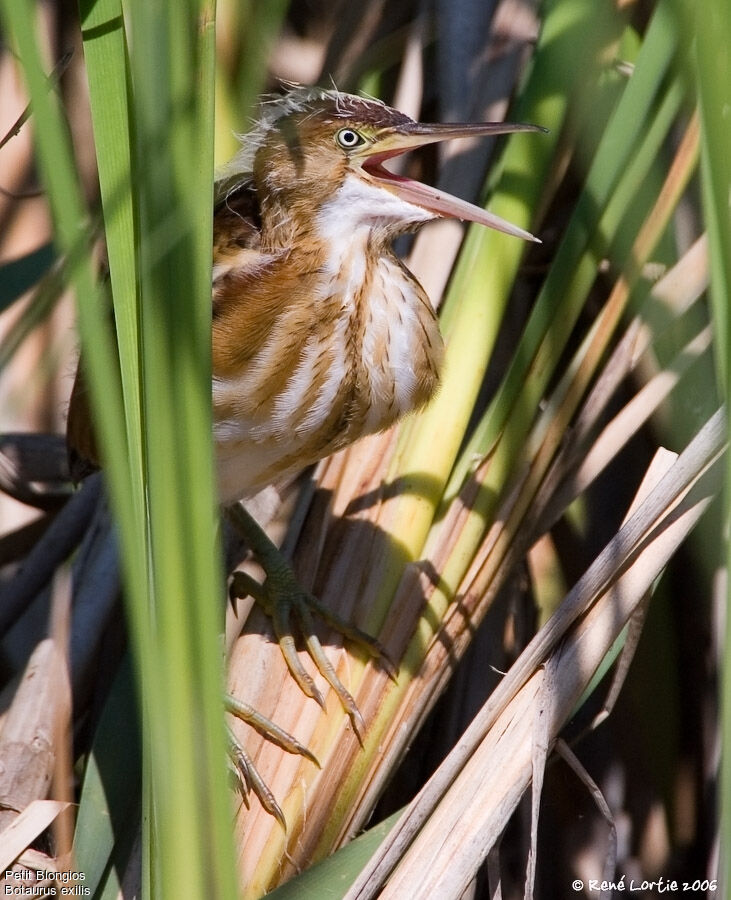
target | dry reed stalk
x=469, y=800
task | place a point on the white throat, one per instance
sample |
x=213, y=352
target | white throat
x=362, y=204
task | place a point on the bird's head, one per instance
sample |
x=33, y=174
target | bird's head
x=316, y=150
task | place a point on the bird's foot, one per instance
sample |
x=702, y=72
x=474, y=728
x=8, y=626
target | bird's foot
x=247, y=777
x=290, y=605
x=290, y=608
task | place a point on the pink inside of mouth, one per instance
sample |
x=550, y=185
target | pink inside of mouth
x=373, y=166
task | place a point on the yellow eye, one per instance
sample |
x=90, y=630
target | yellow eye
x=349, y=139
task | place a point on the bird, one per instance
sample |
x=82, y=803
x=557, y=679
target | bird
x=320, y=333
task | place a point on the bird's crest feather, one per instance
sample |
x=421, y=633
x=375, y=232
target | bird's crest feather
x=275, y=107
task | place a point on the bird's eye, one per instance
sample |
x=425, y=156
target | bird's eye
x=349, y=139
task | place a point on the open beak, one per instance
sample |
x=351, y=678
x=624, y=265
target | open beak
x=409, y=137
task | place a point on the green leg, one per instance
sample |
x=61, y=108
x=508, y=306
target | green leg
x=285, y=601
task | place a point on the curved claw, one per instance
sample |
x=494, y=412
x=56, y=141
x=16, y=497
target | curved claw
x=268, y=729
x=248, y=779
x=281, y=614
x=326, y=668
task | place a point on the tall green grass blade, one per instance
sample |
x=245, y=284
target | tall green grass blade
x=107, y=66
x=108, y=819
x=105, y=53
x=714, y=74
x=172, y=73
x=172, y=78
x=713, y=62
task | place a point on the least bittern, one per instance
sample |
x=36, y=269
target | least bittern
x=320, y=334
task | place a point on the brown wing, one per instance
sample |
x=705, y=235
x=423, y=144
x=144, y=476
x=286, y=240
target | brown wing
x=236, y=229
x=236, y=232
